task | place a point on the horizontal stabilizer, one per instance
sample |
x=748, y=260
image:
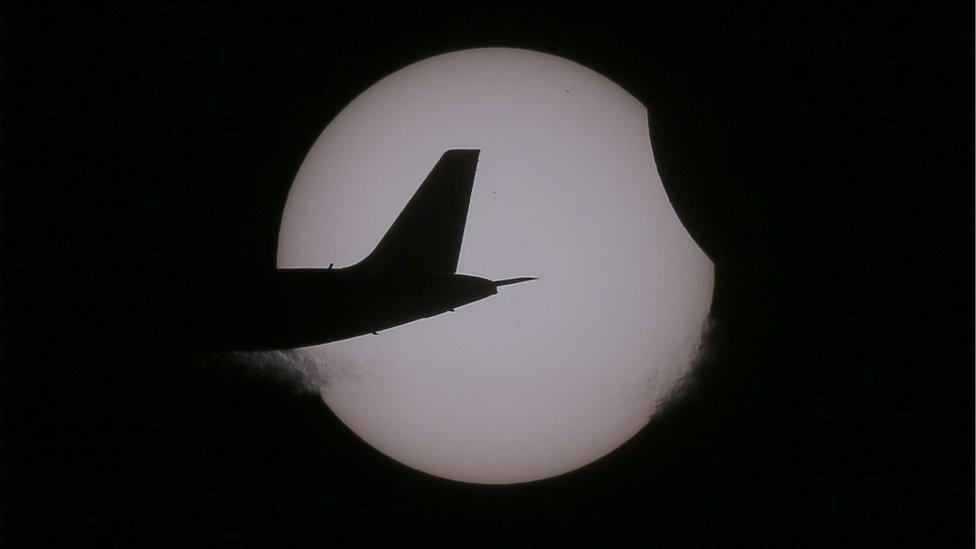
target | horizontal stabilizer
x=508, y=281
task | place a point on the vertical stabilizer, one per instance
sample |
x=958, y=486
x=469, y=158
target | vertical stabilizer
x=426, y=236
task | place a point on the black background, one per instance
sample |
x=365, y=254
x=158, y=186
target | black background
x=822, y=157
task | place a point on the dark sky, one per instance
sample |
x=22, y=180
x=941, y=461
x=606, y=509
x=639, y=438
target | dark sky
x=822, y=157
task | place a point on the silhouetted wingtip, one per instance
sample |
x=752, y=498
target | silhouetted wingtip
x=508, y=281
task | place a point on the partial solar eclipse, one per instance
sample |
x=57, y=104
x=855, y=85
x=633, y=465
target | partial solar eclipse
x=546, y=377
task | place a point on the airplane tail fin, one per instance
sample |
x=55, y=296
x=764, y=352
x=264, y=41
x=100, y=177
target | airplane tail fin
x=426, y=236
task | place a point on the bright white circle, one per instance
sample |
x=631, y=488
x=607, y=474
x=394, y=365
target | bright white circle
x=548, y=375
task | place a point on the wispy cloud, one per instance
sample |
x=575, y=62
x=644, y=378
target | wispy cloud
x=304, y=370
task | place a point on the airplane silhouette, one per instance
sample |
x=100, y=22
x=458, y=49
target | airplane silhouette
x=410, y=275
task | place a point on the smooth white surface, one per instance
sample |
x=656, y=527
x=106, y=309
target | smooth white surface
x=548, y=375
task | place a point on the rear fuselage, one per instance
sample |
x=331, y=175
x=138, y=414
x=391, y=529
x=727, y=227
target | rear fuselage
x=325, y=305
x=410, y=275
